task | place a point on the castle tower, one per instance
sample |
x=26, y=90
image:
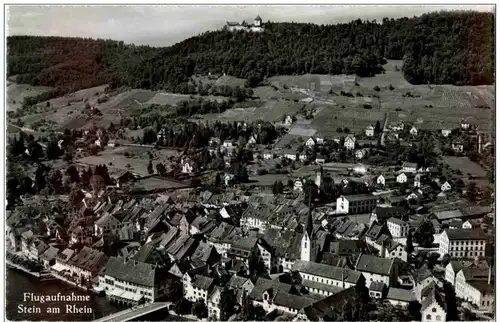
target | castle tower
x=307, y=243
x=257, y=22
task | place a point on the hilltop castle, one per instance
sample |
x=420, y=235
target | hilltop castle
x=255, y=27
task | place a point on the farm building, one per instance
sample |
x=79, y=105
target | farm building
x=369, y=131
x=350, y=142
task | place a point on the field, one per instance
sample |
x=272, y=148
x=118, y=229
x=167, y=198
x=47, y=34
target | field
x=465, y=165
x=136, y=161
x=430, y=107
x=17, y=92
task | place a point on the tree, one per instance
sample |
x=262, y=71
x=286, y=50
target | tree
x=55, y=181
x=75, y=197
x=277, y=187
x=73, y=174
x=424, y=235
x=150, y=167
x=377, y=129
x=451, y=302
x=160, y=168
x=218, y=180
x=409, y=243
x=200, y=310
x=226, y=304
x=97, y=183
x=69, y=154
x=376, y=88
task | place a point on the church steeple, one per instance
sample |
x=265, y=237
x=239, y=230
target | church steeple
x=309, y=225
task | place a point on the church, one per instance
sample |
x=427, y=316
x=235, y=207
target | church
x=257, y=25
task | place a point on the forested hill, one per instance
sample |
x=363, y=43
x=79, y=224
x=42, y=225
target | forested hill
x=439, y=48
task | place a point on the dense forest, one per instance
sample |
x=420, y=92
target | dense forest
x=441, y=48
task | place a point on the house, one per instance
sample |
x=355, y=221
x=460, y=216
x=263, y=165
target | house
x=361, y=153
x=409, y=167
x=475, y=284
x=457, y=146
x=268, y=155
x=326, y=279
x=445, y=132
x=423, y=281
x=310, y=142
x=377, y=269
x=452, y=270
x=413, y=130
x=376, y=289
x=187, y=165
x=48, y=258
x=356, y=204
x=417, y=180
x=402, y=178
x=395, y=250
x=398, y=228
x=400, y=297
x=445, y=187
x=289, y=154
x=350, y=142
x=462, y=243
x=214, y=142
x=111, y=143
x=320, y=159
x=302, y=156
x=106, y=226
x=253, y=140
x=380, y=180
x=298, y=185
x=213, y=304
x=382, y=214
x=132, y=282
x=369, y=131
x=325, y=309
x=86, y=264
x=228, y=179
x=433, y=307
x=197, y=287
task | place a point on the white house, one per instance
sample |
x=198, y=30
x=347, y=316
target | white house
x=252, y=140
x=107, y=225
x=228, y=144
x=433, y=308
x=369, y=131
x=187, y=165
x=381, y=180
x=402, y=178
x=288, y=120
x=377, y=269
x=462, y=243
x=213, y=304
x=350, y=142
x=409, y=167
x=400, y=297
x=452, y=270
x=361, y=153
x=298, y=185
x=197, y=287
x=445, y=132
x=398, y=228
x=355, y=204
x=413, y=130
x=457, y=147
x=310, y=142
x=445, y=187
x=417, y=180
x=302, y=156
x=268, y=155
x=396, y=250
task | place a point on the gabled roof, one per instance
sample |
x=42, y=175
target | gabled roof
x=292, y=301
x=264, y=284
x=433, y=297
x=202, y=282
x=328, y=271
x=132, y=271
x=374, y=264
x=400, y=294
x=465, y=234
x=107, y=219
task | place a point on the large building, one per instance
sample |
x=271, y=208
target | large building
x=257, y=25
x=132, y=282
x=356, y=204
x=462, y=243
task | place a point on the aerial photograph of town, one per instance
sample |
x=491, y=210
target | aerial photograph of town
x=250, y=163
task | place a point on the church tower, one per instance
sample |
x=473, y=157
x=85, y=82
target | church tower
x=257, y=22
x=307, y=244
x=319, y=177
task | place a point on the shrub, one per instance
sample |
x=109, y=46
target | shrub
x=391, y=88
x=376, y=88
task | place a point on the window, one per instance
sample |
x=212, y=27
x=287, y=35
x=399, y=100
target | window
x=434, y=310
x=438, y=317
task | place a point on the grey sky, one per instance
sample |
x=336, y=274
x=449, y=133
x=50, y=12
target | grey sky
x=166, y=25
